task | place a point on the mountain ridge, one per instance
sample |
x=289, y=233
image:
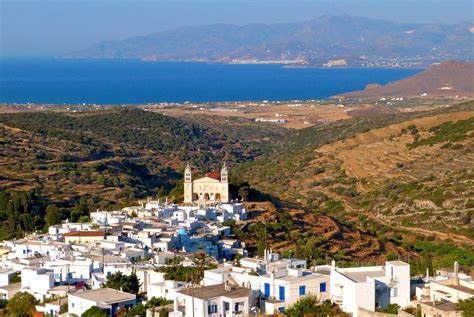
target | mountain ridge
x=360, y=41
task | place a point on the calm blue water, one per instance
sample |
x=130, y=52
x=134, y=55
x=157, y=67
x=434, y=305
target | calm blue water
x=49, y=80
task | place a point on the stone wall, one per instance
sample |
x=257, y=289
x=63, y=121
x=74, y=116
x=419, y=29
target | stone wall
x=367, y=313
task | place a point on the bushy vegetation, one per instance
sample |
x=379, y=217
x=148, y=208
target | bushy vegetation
x=310, y=306
x=20, y=212
x=450, y=132
x=95, y=311
x=466, y=307
x=21, y=305
x=175, y=270
x=126, y=283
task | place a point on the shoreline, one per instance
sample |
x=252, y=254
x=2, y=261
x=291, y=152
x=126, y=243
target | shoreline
x=283, y=64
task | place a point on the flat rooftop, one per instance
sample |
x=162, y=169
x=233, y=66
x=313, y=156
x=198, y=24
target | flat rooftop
x=105, y=295
x=443, y=306
x=450, y=284
x=397, y=263
x=361, y=277
x=217, y=290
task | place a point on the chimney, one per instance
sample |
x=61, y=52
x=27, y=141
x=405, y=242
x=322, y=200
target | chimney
x=227, y=286
x=175, y=305
x=456, y=273
x=333, y=265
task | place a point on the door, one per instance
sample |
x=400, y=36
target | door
x=267, y=290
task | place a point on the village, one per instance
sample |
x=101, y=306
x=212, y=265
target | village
x=69, y=269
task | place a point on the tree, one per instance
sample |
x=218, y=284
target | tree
x=466, y=307
x=126, y=283
x=177, y=193
x=244, y=192
x=203, y=262
x=21, y=305
x=94, y=311
x=52, y=215
x=157, y=302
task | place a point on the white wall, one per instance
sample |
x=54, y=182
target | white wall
x=401, y=274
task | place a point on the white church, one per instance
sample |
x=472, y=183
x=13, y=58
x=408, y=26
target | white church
x=213, y=187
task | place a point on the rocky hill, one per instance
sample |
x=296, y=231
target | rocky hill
x=406, y=178
x=448, y=79
x=333, y=40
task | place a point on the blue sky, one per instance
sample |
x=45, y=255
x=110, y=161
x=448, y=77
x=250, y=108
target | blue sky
x=45, y=27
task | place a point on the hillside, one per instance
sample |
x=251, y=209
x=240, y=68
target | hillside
x=393, y=185
x=359, y=41
x=405, y=179
x=113, y=155
x=448, y=79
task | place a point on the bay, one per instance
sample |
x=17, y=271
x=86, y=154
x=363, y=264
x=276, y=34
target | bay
x=115, y=81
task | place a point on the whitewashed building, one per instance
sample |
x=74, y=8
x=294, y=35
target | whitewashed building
x=371, y=287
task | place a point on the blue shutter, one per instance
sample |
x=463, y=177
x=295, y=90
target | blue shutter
x=322, y=287
x=266, y=290
x=302, y=290
x=282, y=293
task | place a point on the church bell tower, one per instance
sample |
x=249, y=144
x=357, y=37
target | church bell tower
x=188, y=185
x=225, y=183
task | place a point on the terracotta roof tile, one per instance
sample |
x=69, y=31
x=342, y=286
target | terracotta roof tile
x=214, y=175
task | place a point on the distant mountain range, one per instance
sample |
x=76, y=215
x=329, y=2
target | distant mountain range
x=329, y=40
x=448, y=79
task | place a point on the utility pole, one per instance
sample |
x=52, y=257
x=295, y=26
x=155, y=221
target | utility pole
x=67, y=278
x=266, y=244
x=192, y=291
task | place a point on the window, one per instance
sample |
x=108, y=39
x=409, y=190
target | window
x=226, y=306
x=394, y=292
x=322, y=287
x=282, y=293
x=212, y=309
x=302, y=290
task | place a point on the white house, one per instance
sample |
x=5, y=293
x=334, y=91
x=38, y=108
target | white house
x=277, y=283
x=215, y=300
x=106, y=298
x=37, y=281
x=166, y=289
x=371, y=287
x=445, y=290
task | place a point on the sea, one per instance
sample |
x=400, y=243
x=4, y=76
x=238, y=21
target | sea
x=117, y=81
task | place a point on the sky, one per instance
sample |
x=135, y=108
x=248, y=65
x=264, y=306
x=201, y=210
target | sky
x=53, y=27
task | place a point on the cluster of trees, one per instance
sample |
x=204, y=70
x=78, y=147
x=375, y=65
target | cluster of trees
x=175, y=270
x=21, y=212
x=25, y=212
x=126, y=283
